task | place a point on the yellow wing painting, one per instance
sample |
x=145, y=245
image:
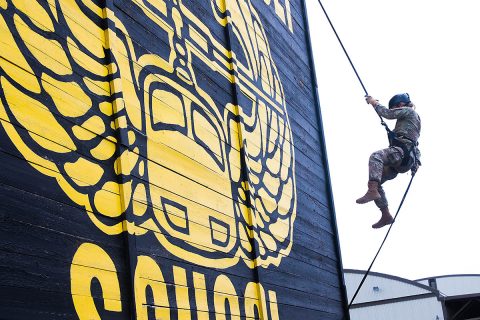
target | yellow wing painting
x=155, y=122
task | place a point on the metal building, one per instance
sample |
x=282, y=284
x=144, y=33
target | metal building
x=383, y=296
x=460, y=295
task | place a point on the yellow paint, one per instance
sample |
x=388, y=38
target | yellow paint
x=200, y=296
x=204, y=133
x=108, y=199
x=126, y=162
x=198, y=38
x=272, y=297
x=141, y=168
x=280, y=230
x=131, y=137
x=280, y=11
x=176, y=216
x=105, y=149
x=43, y=128
x=3, y=4
x=69, y=99
x=270, y=206
x=84, y=30
x=132, y=102
x=84, y=172
x=206, y=169
x=150, y=15
x=92, y=262
x=274, y=164
x=289, y=15
x=181, y=293
x=48, y=52
x=269, y=241
x=221, y=5
x=245, y=240
x=90, y=129
x=147, y=273
x=167, y=107
x=13, y=62
x=120, y=123
x=100, y=88
x=255, y=299
x=94, y=8
x=106, y=108
x=85, y=61
x=154, y=60
x=159, y=5
x=35, y=12
x=53, y=8
x=139, y=200
x=191, y=169
x=198, y=258
x=225, y=293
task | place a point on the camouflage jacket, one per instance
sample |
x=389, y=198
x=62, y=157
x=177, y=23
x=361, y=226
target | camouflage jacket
x=407, y=127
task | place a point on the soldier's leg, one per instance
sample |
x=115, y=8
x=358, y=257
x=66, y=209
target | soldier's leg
x=381, y=160
x=377, y=163
x=388, y=173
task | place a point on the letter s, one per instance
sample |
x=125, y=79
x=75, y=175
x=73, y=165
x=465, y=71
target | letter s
x=89, y=262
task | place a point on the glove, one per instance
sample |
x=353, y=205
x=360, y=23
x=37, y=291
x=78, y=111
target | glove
x=371, y=100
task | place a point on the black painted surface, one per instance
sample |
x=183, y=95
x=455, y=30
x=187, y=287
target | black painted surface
x=42, y=228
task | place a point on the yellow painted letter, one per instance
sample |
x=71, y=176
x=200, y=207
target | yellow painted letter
x=225, y=292
x=92, y=262
x=148, y=274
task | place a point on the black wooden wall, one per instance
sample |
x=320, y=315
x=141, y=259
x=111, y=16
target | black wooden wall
x=163, y=159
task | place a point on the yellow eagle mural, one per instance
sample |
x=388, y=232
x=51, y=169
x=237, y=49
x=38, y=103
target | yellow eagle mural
x=155, y=121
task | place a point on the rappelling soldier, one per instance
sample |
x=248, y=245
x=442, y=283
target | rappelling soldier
x=401, y=156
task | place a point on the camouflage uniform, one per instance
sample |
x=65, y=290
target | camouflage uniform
x=385, y=164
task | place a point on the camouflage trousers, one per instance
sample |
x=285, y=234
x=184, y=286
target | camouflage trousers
x=384, y=165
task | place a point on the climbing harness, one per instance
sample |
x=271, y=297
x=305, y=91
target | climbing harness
x=408, y=152
x=393, y=141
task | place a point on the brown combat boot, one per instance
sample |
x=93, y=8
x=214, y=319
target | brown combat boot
x=372, y=193
x=384, y=220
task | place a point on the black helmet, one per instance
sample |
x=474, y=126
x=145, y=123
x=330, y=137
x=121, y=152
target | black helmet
x=396, y=99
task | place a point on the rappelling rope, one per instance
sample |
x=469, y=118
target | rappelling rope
x=351, y=63
x=388, y=132
x=384, y=239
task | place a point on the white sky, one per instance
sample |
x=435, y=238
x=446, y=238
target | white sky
x=430, y=49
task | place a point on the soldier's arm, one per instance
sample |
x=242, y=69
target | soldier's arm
x=384, y=111
x=390, y=113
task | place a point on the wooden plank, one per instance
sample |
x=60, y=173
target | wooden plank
x=300, y=230
x=27, y=303
x=38, y=226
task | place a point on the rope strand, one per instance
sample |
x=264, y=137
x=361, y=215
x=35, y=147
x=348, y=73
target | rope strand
x=383, y=242
x=350, y=60
x=388, y=132
x=343, y=47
